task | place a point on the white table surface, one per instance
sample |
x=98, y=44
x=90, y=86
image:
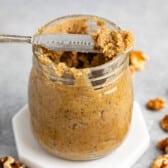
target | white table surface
x=148, y=19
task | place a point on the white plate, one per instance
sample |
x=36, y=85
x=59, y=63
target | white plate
x=125, y=156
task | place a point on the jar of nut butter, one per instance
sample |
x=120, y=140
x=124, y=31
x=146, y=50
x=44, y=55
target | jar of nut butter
x=81, y=103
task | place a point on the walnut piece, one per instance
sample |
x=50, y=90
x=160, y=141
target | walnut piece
x=163, y=145
x=164, y=123
x=160, y=162
x=137, y=59
x=10, y=162
x=156, y=104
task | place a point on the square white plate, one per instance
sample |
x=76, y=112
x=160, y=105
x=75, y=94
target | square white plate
x=125, y=156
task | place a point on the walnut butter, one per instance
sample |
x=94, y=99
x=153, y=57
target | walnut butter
x=81, y=103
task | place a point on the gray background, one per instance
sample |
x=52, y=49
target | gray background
x=148, y=19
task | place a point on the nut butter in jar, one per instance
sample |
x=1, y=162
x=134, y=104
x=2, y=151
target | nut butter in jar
x=80, y=103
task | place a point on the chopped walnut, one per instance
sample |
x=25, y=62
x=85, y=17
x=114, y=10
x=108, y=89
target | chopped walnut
x=163, y=145
x=137, y=59
x=160, y=162
x=156, y=104
x=164, y=123
x=10, y=162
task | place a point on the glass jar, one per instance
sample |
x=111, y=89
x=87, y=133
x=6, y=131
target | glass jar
x=81, y=120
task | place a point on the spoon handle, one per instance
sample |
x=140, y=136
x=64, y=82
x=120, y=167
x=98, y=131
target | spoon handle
x=14, y=38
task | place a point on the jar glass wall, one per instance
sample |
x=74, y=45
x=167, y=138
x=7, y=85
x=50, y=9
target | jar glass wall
x=84, y=119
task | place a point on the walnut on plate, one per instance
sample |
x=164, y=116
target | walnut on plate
x=164, y=123
x=10, y=162
x=156, y=104
x=160, y=162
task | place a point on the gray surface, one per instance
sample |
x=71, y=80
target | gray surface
x=148, y=19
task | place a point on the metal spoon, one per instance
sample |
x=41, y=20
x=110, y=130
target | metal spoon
x=56, y=42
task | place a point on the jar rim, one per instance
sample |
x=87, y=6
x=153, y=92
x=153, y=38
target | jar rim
x=110, y=71
x=80, y=16
x=115, y=26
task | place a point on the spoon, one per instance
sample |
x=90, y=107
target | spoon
x=56, y=42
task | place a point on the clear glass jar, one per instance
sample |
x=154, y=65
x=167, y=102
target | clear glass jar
x=84, y=120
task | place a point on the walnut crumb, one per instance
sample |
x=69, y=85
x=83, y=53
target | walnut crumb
x=137, y=59
x=113, y=42
x=10, y=162
x=160, y=162
x=163, y=145
x=156, y=104
x=164, y=123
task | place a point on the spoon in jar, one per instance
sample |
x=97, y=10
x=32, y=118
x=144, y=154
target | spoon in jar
x=56, y=42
